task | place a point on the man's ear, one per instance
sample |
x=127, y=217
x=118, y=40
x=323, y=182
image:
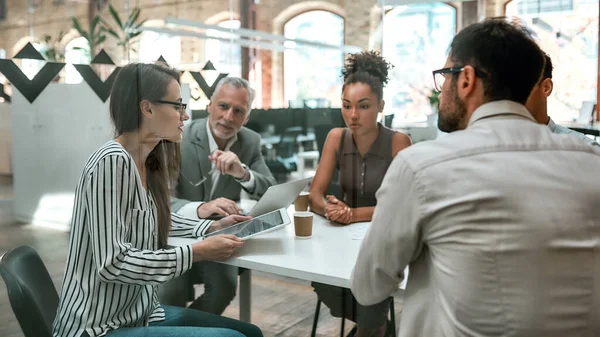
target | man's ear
x=547, y=87
x=209, y=107
x=466, y=82
x=146, y=108
x=247, y=117
x=382, y=106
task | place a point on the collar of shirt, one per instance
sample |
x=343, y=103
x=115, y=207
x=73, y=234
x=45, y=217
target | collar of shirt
x=551, y=125
x=499, y=108
x=212, y=143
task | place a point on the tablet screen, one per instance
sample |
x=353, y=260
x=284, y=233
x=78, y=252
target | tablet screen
x=251, y=227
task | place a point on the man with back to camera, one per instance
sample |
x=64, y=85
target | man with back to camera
x=498, y=220
x=220, y=149
x=537, y=104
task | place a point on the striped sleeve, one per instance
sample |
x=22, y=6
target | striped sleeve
x=186, y=227
x=108, y=195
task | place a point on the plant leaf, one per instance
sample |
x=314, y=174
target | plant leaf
x=94, y=24
x=135, y=34
x=111, y=32
x=139, y=25
x=101, y=39
x=115, y=16
x=80, y=30
x=135, y=14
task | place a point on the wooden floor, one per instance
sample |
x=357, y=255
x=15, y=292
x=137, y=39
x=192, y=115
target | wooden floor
x=280, y=306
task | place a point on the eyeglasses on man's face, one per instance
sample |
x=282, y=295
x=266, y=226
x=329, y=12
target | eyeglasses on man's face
x=178, y=105
x=439, y=76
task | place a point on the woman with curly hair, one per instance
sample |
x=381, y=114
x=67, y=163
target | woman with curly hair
x=362, y=152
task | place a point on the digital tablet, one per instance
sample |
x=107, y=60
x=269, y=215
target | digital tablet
x=258, y=225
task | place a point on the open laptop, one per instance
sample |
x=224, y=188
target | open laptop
x=279, y=196
x=586, y=113
x=276, y=197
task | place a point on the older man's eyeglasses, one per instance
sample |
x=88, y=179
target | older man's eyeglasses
x=439, y=76
x=178, y=105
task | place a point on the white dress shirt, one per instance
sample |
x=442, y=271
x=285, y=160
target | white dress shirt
x=190, y=209
x=561, y=129
x=500, y=226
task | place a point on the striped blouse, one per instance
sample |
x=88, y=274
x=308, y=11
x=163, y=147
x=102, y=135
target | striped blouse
x=113, y=264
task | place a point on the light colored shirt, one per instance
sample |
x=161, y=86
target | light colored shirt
x=500, y=227
x=564, y=130
x=190, y=209
x=114, y=264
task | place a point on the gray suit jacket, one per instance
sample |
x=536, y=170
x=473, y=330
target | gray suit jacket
x=195, y=165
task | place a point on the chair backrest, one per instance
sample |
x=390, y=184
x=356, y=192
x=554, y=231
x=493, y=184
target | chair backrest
x=288, y=145
x=321, y=132
x=32, y=294
x=388, y=119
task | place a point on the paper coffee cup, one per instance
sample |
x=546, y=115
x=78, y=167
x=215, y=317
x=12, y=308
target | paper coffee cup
x=301, y=202
x=303, y=223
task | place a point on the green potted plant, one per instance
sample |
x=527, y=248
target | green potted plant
x=95, y=35
x=434, y=100
x=51, y=48
x=124, y=31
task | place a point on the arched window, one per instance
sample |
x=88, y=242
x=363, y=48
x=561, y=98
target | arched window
x=313, y=72
x=153, y=45
x=77, y=51
x=568, y=32
x=226, y=56
x=415, y=40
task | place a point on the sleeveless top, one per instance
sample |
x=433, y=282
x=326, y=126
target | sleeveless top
x=360, y=177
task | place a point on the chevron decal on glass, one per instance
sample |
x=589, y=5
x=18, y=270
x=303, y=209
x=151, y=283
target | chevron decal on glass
x=29, y=52
x=102, y=58
x=102, y=89
x=162, y=60
x=3, y=94
x=31, y=89
x=208, y=90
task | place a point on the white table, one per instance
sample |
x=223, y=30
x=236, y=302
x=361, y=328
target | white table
x=328, y=257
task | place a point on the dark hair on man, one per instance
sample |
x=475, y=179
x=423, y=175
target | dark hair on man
x=367, y=67
x=548, y=68
x=505, y=52
x=135, y=83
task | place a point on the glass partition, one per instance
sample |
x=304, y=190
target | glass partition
x=568, y=32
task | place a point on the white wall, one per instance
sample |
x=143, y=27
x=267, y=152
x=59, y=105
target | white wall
x=5, y=139
x=52, y=140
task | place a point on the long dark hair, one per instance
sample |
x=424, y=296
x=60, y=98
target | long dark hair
x=134, y=83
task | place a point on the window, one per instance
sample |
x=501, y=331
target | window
x=427, y=31
x=226, y=56
x=568, y=32
x=77, y=51
x=153, y=45
x=313, y=72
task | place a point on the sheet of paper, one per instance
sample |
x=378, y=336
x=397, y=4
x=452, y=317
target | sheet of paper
x=357, y=231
